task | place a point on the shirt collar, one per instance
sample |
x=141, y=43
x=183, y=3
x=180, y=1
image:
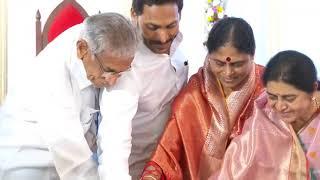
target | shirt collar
x=175, y=43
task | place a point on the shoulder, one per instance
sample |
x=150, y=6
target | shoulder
x=259, y=69
x=61, y=48
x=144, y=57
x=259, y=87
x=191, y=92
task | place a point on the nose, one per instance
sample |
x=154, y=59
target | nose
x=110, y=79
x=163, y=36
x=229, y=70
x=280, y=106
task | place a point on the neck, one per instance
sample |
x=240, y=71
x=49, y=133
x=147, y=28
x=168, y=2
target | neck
x=303, y=122
x=227, y=91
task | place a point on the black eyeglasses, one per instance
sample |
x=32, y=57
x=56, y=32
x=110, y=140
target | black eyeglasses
x=108, y=69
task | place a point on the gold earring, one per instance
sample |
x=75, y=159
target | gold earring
x=314, y=99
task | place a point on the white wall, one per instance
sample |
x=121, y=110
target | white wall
x=281, y=25
x=300, y=28
x=253, y=11
x=192, y=26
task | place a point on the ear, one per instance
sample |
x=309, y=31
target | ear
x=207, y=56
x=315, y=86
x=82, y=48
x=316, y=92
x=134, y=17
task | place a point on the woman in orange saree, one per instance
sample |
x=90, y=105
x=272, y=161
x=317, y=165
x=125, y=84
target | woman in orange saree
x=282, y=138
x=211, y=109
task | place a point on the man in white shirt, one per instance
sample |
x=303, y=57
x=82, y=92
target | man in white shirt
x=159, y=70
x=48, y=128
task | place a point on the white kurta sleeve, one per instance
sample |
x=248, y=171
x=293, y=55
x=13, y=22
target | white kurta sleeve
x=63, y=133
x=118, y=108
x=58, y=119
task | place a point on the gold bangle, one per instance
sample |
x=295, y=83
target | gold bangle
x=150, y=176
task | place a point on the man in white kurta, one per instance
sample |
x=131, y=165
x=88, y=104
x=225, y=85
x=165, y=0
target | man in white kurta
x=155, y=79
x=48, y=126
x=59, y=79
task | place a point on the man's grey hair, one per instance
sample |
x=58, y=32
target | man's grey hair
x=110, y=32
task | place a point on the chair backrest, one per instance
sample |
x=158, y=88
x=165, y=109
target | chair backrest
x=67, y=14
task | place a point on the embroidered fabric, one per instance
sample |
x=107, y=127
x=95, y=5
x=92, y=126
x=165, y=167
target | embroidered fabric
x=152, y=171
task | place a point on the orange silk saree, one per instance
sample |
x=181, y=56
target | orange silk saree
x=202, y=124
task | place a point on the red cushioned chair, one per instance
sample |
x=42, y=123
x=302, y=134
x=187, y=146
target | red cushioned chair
x=67, y=14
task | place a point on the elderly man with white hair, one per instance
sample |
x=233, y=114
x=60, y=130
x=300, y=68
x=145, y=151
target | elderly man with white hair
x=48, y=126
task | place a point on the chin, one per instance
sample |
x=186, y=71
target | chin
x=97, y=85
x=232, y=85
x=160, y=51
x=288, y=120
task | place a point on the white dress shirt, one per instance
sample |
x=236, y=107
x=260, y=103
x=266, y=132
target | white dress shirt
x=44, y=123
x=135, y=111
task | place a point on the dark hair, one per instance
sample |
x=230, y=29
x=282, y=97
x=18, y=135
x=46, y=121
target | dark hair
x=291, y=67
x=235, y=31
x=137, y=5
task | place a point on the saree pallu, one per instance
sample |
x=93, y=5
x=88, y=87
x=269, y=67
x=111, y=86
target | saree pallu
x=199, y=130
x=310, y=141
x=268, y=148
